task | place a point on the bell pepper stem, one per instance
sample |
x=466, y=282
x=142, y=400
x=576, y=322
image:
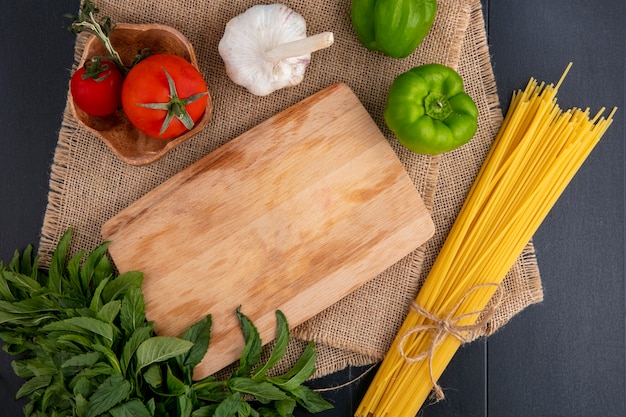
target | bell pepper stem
x=437, y=106
x=300, y=47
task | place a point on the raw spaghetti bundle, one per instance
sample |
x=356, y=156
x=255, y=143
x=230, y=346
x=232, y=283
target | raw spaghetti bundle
x=535, y=154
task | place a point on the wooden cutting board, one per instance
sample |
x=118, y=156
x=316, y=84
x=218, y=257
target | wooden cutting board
x=293, y=215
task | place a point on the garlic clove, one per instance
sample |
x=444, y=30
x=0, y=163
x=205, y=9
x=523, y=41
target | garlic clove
x=266, y=48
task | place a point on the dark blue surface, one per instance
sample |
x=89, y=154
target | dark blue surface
x=563, y=357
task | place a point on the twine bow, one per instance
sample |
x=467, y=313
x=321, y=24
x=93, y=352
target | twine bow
x=448, y=325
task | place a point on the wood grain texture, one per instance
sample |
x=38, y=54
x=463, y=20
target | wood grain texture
x=292, y=215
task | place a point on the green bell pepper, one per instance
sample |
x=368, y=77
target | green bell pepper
x=393, y=27
x=428, y=110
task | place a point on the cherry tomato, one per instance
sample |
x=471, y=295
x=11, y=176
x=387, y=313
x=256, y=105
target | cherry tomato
x=164, y=96
x=96, y=87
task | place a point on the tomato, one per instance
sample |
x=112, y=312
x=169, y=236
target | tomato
x=164, y=96
x=96, y=87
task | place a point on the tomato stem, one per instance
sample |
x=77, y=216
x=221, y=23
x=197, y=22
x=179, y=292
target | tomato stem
x=96, y=69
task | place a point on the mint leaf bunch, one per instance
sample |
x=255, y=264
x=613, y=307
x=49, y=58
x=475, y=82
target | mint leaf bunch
x=85, y=349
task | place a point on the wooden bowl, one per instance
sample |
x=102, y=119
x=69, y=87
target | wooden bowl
x=128, y=143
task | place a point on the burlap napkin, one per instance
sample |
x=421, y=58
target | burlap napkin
x=89, y=184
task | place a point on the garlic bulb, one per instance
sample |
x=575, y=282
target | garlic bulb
x=266, y=48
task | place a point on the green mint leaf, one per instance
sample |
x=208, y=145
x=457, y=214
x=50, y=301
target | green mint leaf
x=98, y=370
x=56, y=395
x=262, y=391
x=200, y=335
x=32, y=385
x=116, y=288
x=132, y=408
x=69, y=304
x=229, y=406
x=29, y=409
x=174, y=385
x=139, y=335
x=310, y=399
x=109, y=311
x=280, y=346
x=109, y=394
x=153, y=376
x=96, y=261
x=15, y=262
x=205, y=411
x=83, y=360
x=75, y=339
x=5, y=290
x=96, y=299
x=10, y=318
x=49, y=344
x=57, y=263
x=252, y=351
x=43, y=365
x=37, y=304
x=73, y=273
x=87, y=324
x=28, y=265
x=12, y=341
x=79, y=310
x=82, y=386
x=285, y=407
x=103, y=269
x=22, y=282
x=63, y=326
x=159, y=349
x=151, y=406
x=301, y=371
x=81, y=405
x=133, y=312
x=21, y=368
x=185, y=406
x=269, y=412
x=245, y=410
x=210, y=390
x=109, y=355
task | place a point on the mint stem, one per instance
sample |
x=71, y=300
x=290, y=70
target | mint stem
x=87, y=22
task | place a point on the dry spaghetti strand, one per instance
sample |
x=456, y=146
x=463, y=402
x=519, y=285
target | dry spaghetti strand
x=537, y=151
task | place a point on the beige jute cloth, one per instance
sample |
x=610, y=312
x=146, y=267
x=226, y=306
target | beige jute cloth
x=89, y=184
